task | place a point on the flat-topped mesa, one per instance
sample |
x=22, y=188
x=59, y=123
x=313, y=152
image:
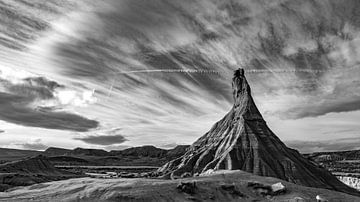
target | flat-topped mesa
x=243, y=141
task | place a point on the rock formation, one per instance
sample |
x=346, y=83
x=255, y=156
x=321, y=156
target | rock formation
x=243, y=141
x=30, y=171
x=33, y=166
x=350, y=181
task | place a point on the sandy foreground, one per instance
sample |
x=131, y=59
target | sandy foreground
x=208, y=188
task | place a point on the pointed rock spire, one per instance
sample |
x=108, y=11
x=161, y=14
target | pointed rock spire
x=243, y=141
x=240, y=85
x=244, y=104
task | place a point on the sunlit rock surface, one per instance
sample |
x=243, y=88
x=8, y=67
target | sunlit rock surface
x=351, y=181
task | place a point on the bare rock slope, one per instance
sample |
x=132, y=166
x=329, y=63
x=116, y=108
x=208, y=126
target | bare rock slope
x=243, y=141
x=30, y=171
x=219, y=186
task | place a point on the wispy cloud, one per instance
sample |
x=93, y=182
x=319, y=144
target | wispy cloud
x=86, y=44
x=35, y=145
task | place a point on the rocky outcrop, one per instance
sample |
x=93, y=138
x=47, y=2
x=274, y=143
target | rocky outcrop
x=335, y=156
x=30, y=171
x=243, y=141
x=8, y=155
x=350, y=181
x=343, y=164
x=34, y=165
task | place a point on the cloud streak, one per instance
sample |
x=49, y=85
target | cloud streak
x=103, y=139
x=251, y=37
x=86, y=44
x=167, y=35
x=110, y=138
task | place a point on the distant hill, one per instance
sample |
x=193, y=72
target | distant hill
x=55, y=151
x=343, y=163
x=89, y=152
x=26, y=167
x=30, y=171
x=145, y=155
x=34, y=165
x=143, y=151
x=338, y=155
x=7, y=155
x=149, y=151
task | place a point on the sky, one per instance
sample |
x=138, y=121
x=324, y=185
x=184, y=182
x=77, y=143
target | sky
x=95, y=74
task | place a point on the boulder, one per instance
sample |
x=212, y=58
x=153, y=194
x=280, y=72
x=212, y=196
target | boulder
x=278, y=188
x=320, y=198
x=267, y=190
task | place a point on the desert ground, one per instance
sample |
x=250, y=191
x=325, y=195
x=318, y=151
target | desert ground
x=220, y=186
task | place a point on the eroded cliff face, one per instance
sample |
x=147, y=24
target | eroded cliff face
x=243, y=141
x=353, y=182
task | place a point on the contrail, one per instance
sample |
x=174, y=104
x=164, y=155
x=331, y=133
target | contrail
x=249, y=71
x=111, y=88
x=169, y=71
